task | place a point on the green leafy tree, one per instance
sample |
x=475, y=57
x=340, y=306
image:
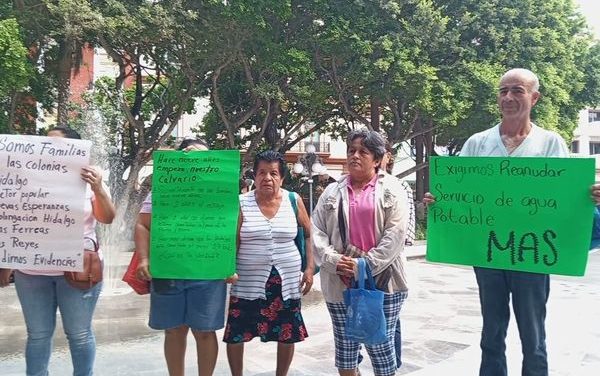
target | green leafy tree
x=392, y=66
x=383, y=56
x=264, y=89
x=590, y=95
x=54, y=31
x=427, y=70
x=15, y=71
x=160, y=49
x=548, y=37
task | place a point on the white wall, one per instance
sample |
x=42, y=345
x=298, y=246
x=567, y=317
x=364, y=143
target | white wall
x=585, y=133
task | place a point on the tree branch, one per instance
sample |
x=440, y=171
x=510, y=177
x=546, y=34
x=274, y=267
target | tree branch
x=139, y=91
x=219, y=105
x=117, y=59
x=420, y=132
x=416, y=168
x=340, y=90
x=258, y=136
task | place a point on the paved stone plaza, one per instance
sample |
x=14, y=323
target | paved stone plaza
x=441, y=325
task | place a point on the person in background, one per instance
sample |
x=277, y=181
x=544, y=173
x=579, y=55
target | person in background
x=387, y=164
x=364, y=214
x=178, y=305
x=595, y=243
x=515, y=136
x=42, y=292
x=265, y=300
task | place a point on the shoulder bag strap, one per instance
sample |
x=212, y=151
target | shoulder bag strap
x=342, y=224
x=292, y=197
x=95, y=243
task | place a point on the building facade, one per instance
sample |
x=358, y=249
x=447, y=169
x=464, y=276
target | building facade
x=586, y=137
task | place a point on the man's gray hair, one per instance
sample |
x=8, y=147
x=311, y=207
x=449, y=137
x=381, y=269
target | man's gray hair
x=531, y=77
x=371, y=140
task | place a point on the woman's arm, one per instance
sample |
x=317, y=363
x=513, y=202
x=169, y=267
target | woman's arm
x=304, y=221
x=239, y=228
x=5, y=277
x=234, y=278
x=102, y=206
x=324, y=253
x=142, y=245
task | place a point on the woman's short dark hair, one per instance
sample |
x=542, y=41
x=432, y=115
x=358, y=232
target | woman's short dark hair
x=68, y=132
x=192, y=141
x=271, y=156
x=372, y=140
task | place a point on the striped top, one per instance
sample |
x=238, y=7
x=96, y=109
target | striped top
x=265, y=243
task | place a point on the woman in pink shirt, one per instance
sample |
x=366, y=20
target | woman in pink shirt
x=364, y=214
x=42, y=292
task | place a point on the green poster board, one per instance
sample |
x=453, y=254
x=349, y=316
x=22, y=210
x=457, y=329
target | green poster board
x=526, y=214
x=194, y=214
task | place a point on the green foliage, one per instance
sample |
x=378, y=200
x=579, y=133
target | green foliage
x=6, y=10
x=15, y=70
x=421, y=229
x=278, y=70
x=590, y=95
x=265, y=82
x=396, y=55
x=546, y=36
x=163, y=50
x=73, y=20
x=439, y=61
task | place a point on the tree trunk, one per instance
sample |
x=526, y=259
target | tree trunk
x=65, y=64
x=23, y=114
x=12, y=111
x=375, y=114
x=428, y=137
x=419, y=158
x=127, y=205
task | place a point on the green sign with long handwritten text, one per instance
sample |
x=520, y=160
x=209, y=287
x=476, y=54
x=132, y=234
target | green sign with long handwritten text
x=526, y=214
x=194, y=214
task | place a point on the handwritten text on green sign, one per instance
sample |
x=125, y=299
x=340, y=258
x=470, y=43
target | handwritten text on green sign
x=528, y=214
x=194, y=214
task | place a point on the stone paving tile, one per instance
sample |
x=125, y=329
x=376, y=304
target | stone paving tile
x=441, y=326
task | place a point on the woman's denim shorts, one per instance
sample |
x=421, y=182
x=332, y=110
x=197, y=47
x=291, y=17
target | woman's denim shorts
x=196, y=303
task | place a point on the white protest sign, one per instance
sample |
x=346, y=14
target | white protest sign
x=42, y=200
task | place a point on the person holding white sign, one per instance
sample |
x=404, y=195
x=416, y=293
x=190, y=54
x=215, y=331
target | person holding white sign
x=515, y=136
x=42, y=292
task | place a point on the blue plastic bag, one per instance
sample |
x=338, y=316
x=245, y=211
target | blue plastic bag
x=365, y=321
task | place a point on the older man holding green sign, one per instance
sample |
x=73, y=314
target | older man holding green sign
x=516, y=220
